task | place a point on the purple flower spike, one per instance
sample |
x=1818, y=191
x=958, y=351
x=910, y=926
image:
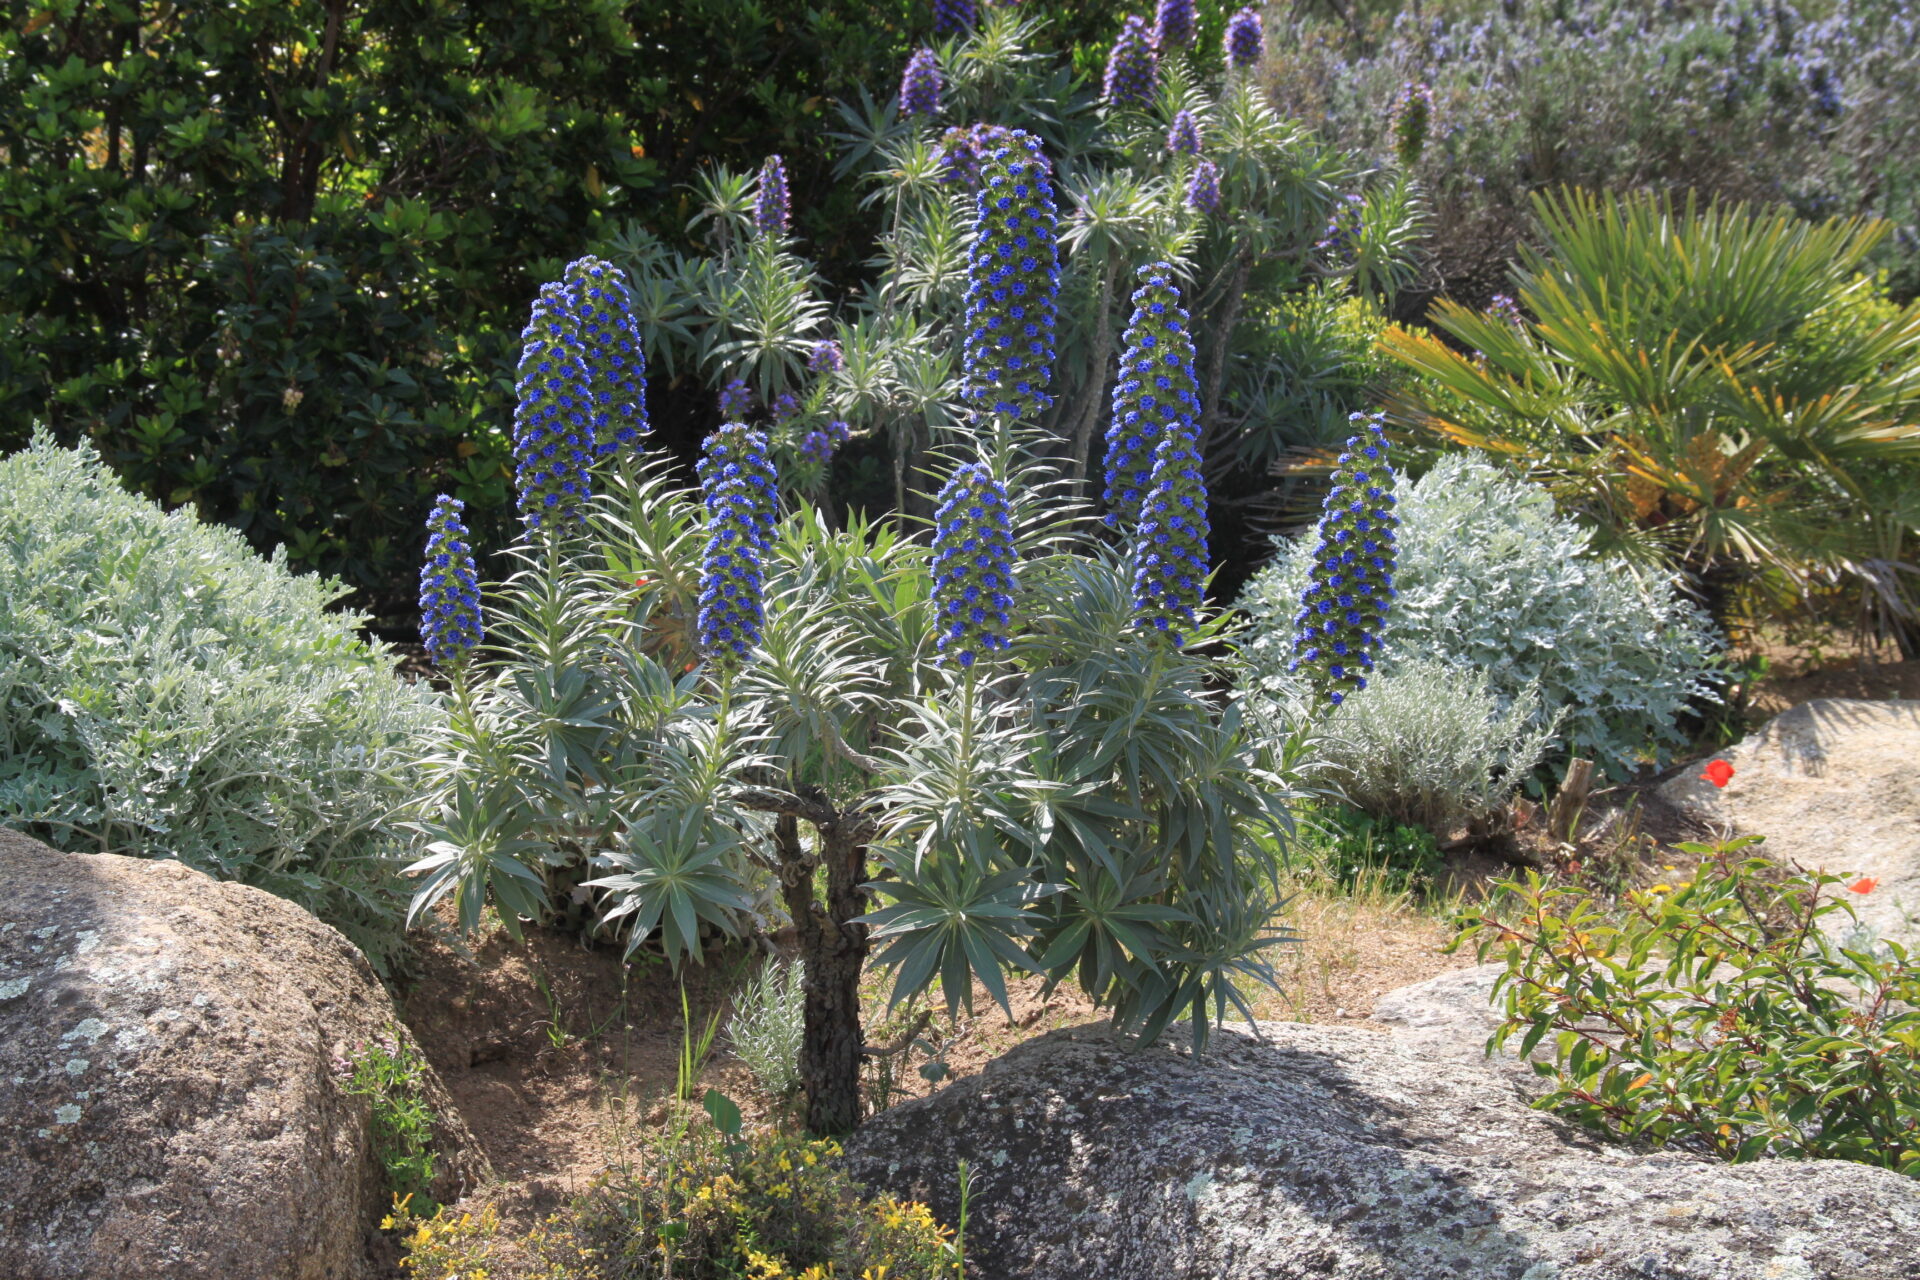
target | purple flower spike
x=920, y=85
x=1246, y=40
x=953, y=16
x=1133, y=69
x=1184, y=137
x=770, y=208
x=1203, y=189
x=1173, y=25
x=825, y=357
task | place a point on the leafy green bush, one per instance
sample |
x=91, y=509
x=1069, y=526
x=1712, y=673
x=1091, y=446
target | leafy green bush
x=1317, y=364
x=1347, y=844
x=701, y=1205
x=164, y=692
x=1492, y=579
x=388, y=1073
x=1430, y=745
x=1719, y=1014
x=767, y=1024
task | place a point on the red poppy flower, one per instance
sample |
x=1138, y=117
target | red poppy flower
x=1866, y=884
x=1719, y=773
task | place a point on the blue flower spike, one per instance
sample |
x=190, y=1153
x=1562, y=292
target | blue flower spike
x=1246, y=40
x=1155, y=395
x=1013, y=277
x=1343, y=610
x=972, y=568
x=1133, y=68
x=771, y=209
x=581, y=384
x=920, y=85
x=450, y=623
x=740, y=491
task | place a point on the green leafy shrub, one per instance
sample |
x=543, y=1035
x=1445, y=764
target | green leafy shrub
x=1718, y=1014
x=1492, y=579
x=165, y=692
x=1316, y=364
x=1428, y=744
x=767, y=1024
x=701, y=1206
x=388, y=1073
x=1348, y=843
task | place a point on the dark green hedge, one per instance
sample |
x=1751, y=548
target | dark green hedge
x=273, y=256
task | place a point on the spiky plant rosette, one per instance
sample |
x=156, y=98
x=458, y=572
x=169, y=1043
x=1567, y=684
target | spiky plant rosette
x=1203, y=188
x=1183, y=136
x=739, y=490
x=972, y=567
x=450, y=624
x=1173, y=25
x=1156, y=394
x=1013, y=277
x=920, y=85
x=1133, y=68
x=771, y=210
x=1344, y=607
x=1410, y=122
x=1246, y=40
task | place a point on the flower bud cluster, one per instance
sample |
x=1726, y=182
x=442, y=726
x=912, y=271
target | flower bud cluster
x=825, y=357
x=1344, y=607
x=959, y=157
x=1340, y=242
x=1013, y=277
x=740, y=490
x=450, y=623
x=736, y=401
x=1504, y=307
x=972, y=566
x=1156, y=395
x=1410, y=122
x=818, y=444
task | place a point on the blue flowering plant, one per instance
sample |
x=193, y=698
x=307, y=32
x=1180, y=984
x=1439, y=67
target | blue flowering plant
x=1343, y=610
x=1001, y=743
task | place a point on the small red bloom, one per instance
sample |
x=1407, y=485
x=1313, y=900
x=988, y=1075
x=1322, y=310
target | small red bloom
x=1866, y=884
x=1719, y=773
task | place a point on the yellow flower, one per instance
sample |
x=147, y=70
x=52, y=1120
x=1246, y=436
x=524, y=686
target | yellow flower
x=1662, y=888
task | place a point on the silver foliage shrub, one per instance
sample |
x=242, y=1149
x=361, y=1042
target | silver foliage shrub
x=1432, y=745
x=167, y=693
x=1493, y=579
x=766, y=1026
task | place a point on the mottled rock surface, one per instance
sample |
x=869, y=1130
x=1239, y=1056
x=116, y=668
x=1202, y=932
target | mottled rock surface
x=1351, y=1154
x=1834, y=784
x=168, y=1109
x=1450, y=1015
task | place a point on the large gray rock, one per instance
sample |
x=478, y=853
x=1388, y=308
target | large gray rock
x=1346, y=1153
x=1451, y=1015
x=1834, y=784
x=168, y=1107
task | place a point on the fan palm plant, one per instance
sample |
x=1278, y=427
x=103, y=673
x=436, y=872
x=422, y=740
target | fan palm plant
x=1664, y=389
